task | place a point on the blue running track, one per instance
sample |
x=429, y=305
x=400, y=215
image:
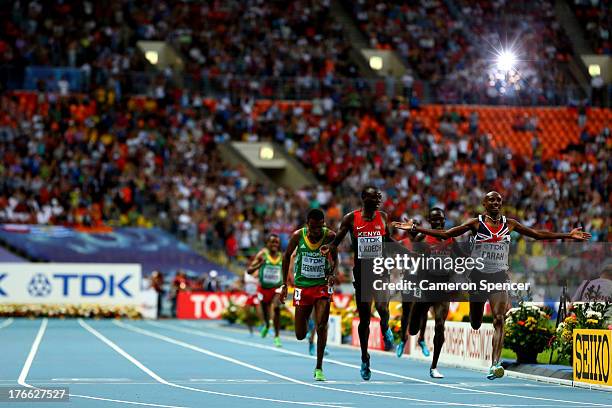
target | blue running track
x=205, y=364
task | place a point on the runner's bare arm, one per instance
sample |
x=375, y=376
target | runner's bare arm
x=333, y=258
x=387, y=237
x=576, y=233
x=293, y=243
x=290, y=279
x=418, y=238
x=256, y=263
x=345, y=227
x=470, y=225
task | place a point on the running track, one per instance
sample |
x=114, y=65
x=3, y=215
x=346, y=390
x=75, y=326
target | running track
x=204, y=364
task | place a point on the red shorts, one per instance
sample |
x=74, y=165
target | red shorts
x=266, y=295
x=308, y=296
x=252, y=300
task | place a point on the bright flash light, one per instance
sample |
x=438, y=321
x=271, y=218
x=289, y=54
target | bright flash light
x=506, y=61
x=376, y=63
x=594, y=70
x=266, y=153
x=152, y=57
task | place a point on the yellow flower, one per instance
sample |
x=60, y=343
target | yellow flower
x=592, y=321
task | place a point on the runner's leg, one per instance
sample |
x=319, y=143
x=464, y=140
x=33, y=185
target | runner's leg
x=321, y=319
x=498, y=303
x=440, y=312
x=364, y=311
x=302, y=313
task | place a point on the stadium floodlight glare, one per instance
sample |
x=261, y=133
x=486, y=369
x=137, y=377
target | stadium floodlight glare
x=594, y=70
x=152, y=57
x=266, y=153
x=506, y=60
x=376, y=63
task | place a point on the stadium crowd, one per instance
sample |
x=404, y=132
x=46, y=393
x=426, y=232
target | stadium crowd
x=596, y=19
x=96, y=160
x=219, y=41
x=456, y=52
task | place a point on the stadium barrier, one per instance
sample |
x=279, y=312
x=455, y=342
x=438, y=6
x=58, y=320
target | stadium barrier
x=592, y=361
x=70, y=283
x=334, y=330
x=211, y=305
x=463, y=346
x=74, y=290
x=206, y=305
x=375, y=339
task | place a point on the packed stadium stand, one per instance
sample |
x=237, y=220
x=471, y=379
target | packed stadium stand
x=163, y=160
x=596, y=20
x=106, y=139
x=456, y=50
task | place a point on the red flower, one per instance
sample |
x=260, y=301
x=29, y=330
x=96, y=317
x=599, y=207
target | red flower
x=520, y=323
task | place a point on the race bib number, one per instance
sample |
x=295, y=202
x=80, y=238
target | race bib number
x=313, y=267
x=369, y=247
x=494, y=256
x=297, y=294
x=271, y=274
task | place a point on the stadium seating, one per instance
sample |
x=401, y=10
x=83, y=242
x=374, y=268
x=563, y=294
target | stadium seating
x=360, y=139
x=112, y=156
x=596, y=20
x=457, y=51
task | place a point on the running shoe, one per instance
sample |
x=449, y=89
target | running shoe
x=365, y=372
x=399, y=350
x=318, y=375
x=311, y=348
x=388, y=338
x=277, y=342
x=434, y=373
x=424, y=348
x=496, y=371
x=264, y=331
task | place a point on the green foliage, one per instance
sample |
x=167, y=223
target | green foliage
x=591, y=315
x=527, y=329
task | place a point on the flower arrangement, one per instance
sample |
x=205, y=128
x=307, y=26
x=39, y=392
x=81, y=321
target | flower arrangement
x=246, y=315
x=230, y=313
x=527, y=331
x=70, y=311
x=591, y=315
x=396, y=327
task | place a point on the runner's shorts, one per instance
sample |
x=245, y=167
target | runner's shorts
x=307, y=296
x=476, y=277
x=266, y=295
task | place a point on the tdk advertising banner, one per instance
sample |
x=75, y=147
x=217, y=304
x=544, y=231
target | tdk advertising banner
x=70, y=283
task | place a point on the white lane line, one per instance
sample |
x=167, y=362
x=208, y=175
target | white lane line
x=6, y=323
x=33, y=350
x=92, y=380
x=385, y=392
x=159, y=379
x=147, y=404
x=327, y=360
x=274, y=374
x=28, y=363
